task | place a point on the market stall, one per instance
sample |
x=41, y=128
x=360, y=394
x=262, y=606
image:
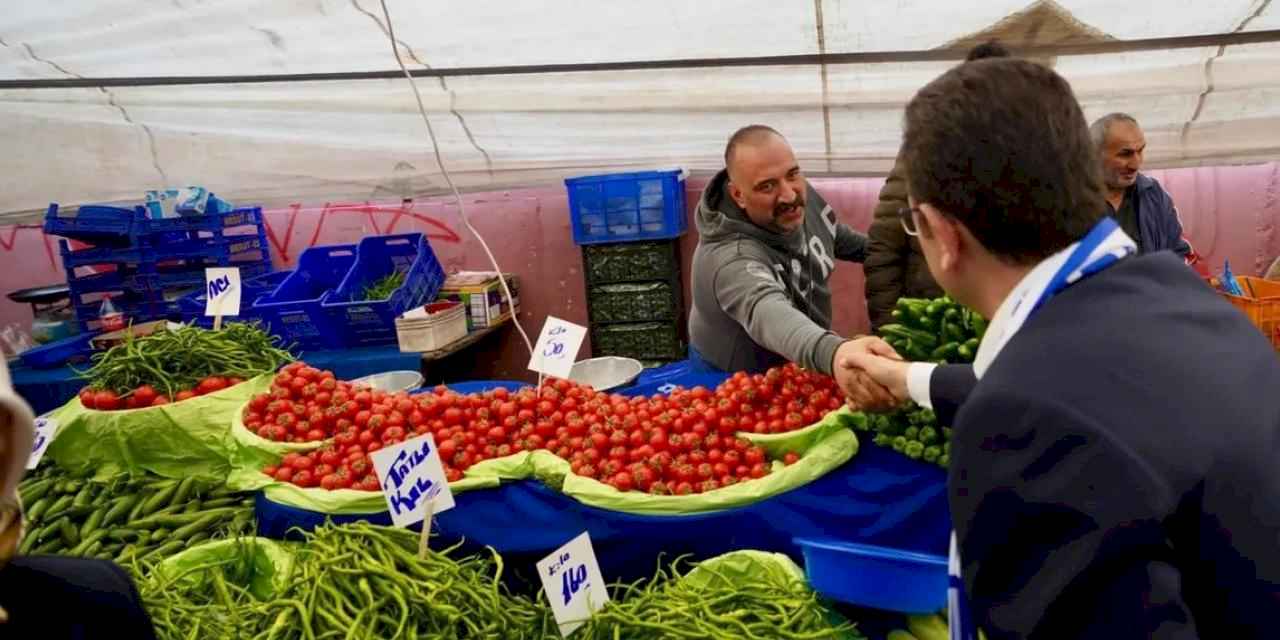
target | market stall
x=677, y=464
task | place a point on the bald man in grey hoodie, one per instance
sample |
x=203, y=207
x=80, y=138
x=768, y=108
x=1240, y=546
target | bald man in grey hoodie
x=766, y=249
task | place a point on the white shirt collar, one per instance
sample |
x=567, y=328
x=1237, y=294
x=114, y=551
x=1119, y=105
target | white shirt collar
x=1003, y=324
x=1021, y=301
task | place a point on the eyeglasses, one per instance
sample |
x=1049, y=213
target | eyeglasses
x=907, y=218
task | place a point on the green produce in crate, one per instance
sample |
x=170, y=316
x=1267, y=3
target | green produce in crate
x=384, y=287
x=122, y=518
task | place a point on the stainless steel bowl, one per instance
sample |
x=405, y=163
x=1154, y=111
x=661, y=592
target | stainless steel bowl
x=607, y=372
x=392, y=381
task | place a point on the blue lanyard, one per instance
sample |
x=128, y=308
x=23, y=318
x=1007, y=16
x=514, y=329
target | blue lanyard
x=1075, y=269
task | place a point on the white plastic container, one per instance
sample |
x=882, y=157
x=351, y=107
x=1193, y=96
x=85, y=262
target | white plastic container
x=432, y=327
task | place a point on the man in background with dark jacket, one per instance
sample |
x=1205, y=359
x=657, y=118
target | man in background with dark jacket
x=1141, y=206
x=767, y=245
x=895, y=267
x=1113, y=471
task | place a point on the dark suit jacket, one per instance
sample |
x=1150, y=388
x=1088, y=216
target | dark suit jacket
x=1114, y=473
x=54, y=598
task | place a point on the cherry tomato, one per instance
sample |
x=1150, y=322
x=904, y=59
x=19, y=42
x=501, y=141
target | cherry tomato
x=284, y=474
x=144, y=395
x=106, y=401
x=160, y=400
x=185, y=394
x=790, y=458
x=304, y=479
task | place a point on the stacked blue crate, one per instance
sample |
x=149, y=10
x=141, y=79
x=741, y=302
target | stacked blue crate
x=145, y=265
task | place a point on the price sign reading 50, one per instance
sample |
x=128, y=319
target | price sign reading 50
x=557, y=347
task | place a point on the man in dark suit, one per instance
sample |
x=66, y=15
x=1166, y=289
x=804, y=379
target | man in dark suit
x=1113, y=470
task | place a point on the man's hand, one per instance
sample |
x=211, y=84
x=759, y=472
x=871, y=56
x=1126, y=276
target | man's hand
x=862, y=391
x=887, y=370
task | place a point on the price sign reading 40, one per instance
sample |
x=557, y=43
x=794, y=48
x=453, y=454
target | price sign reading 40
x=572, y=572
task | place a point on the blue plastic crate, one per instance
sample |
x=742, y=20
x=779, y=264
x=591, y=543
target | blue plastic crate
x=209, y=222
x=857, y=574
x=191, y=272
x=252, y=287
x=246, y=248
x=101, y=255
x=294, y=310
x=75, y=350
x=373, y=322
x=625, y=207
x=97, y=224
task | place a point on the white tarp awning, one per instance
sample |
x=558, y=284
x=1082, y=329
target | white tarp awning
x=360, y=138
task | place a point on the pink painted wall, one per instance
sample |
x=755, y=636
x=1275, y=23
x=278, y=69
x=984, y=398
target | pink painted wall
x=1228, y=213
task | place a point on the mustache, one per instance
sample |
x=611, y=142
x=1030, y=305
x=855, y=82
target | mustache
x=784, y=208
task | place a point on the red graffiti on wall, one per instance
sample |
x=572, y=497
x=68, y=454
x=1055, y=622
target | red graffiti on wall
x=373, y=213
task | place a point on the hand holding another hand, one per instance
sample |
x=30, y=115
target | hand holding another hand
x=862, y=390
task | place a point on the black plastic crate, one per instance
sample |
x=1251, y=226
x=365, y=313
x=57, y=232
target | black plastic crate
x=641, y=340
x=631, y=262
x=635, y=302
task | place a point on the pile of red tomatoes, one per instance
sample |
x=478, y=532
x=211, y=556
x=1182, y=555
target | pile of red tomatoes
x=682, y=443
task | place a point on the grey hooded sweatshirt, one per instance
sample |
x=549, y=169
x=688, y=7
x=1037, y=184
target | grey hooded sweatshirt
x=760, y=298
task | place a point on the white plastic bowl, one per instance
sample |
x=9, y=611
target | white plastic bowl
x=607, y=372
x=391, y=381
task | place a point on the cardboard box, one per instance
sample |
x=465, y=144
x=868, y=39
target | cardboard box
x=481, y=294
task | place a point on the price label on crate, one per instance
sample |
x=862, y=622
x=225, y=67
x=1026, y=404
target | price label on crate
x=557, y=347
x=46, y=428
x=573, y=584
x=222, y=291
x=411, y=475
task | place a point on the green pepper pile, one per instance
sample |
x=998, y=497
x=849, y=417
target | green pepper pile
x=125, y=517
x=912, y=431
x=940, y=330
x=351, y=581
x=667, y=606
x=362, y=581
x=171, y=361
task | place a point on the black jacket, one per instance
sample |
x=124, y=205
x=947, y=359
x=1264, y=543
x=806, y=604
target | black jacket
x=1113, y=474
x=55, y=598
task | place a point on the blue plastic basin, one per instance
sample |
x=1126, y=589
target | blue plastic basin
x=877, y=577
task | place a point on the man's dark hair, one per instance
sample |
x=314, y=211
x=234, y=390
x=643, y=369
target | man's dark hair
x=989, y=49
x=751, y=133
x=1002, y=146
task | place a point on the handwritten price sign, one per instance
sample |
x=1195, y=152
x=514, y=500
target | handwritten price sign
x=45, y=430
x=571, y=577
x=557, y=347
x=411, y=475
x=222, y=291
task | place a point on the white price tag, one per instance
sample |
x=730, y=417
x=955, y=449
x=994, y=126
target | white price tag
x=571, y=578
x=411, y=474
x=557, y=347
x=46, y=428
x=222, y=291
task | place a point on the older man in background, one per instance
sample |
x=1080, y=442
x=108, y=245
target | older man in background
x=1138, y=202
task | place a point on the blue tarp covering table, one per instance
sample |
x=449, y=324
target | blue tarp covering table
x=878, y=497
x=48, y=389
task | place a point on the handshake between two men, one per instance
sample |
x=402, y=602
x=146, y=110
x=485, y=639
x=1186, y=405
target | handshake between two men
x=872, y=376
